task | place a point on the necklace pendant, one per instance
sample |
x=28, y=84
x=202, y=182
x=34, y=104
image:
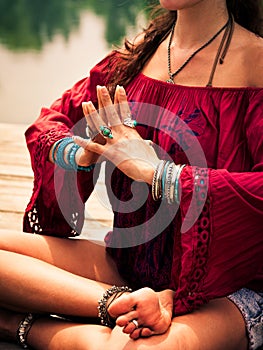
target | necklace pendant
x=170, y=81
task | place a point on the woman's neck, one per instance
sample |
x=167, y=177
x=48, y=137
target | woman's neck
x=197, y=24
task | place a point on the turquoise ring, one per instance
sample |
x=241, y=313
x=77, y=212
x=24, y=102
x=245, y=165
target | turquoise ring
x=106, y=131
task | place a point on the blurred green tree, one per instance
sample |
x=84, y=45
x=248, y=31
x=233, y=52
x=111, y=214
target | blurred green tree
x=29, y=24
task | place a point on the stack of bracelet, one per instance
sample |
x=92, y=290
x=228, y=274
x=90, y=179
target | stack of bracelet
x=104, y=304
x=165, y=182
x=58, y=155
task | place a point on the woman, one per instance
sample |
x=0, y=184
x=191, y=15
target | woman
x=191, y=251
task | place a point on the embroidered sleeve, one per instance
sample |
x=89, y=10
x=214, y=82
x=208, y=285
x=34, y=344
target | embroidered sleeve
x=57, y=203
x=222, y=248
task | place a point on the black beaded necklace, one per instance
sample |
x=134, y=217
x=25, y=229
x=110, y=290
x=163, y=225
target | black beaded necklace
x=172, y=75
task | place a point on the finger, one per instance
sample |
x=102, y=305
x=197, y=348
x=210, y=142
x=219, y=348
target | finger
x=100, y=105
x=109, y=108
x=91, y=129
x=136, y=334
x=93, y=117
x=146, y=332
x=89, y=121
x=141, y=332
x=121, y=100
x=88, y=145
x=116, y=100
x=130, y=327
x=122, y=306
x=123, y=320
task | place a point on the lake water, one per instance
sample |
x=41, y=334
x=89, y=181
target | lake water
x=30, y=78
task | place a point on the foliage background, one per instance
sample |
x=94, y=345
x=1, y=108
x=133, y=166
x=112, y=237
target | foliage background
x=29, y=24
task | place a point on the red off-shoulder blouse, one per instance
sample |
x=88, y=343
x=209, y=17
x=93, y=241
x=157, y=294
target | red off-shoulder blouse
x=209, y=246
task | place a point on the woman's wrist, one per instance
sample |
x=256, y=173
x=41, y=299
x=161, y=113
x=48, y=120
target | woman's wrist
x=64, y=153
x=166, y=298
x=147, y=175
x=166, y=181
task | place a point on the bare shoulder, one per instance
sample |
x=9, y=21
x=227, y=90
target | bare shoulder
x=250, y=47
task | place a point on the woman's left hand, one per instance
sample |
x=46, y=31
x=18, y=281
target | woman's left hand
x=123, y=146
x=143, y=313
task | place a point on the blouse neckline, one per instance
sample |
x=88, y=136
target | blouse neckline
x=192, y=87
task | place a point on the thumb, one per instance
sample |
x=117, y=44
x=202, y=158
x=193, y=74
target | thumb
x=88, y=145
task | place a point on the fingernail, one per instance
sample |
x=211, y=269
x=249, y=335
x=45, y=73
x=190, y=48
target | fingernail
x=121, y=90
x=90, y=106
x=104, y=90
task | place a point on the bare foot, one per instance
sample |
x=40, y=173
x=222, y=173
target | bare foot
x=9, y=322
x=151, y=310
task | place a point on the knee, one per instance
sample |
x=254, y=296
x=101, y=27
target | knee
x=179, y=337
x=5, y=240
x=184, y=338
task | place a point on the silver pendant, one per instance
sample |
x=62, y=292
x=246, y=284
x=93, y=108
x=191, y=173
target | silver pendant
x=170, y=81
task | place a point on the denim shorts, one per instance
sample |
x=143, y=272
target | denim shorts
x=250, y=304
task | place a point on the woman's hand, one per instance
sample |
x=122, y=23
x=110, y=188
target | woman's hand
x=124, y=146
x=87, y=157
x=151, y=310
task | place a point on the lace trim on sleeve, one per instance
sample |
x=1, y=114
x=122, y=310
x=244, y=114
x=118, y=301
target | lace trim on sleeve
x=189, y=295
x=200, y=256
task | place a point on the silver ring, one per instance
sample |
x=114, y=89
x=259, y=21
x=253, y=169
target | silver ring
x=135, y=322
x=131, y=123
x=149, y=142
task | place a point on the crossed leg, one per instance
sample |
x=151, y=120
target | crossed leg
x=48, y=274
x=217, y=326
x=52, y=275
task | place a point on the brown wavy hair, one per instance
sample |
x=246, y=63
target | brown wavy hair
x=247, y=13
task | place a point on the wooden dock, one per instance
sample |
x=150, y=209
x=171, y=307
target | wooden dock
x=16, y=183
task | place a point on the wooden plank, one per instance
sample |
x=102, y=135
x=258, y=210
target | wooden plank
x=11, y=221
x=14, y=193
x=14, y=156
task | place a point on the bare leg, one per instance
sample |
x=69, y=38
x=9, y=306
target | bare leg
x=78, y=256
x=29, y=281
x=29, y=284
x=51, y=275
x=218, y=325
